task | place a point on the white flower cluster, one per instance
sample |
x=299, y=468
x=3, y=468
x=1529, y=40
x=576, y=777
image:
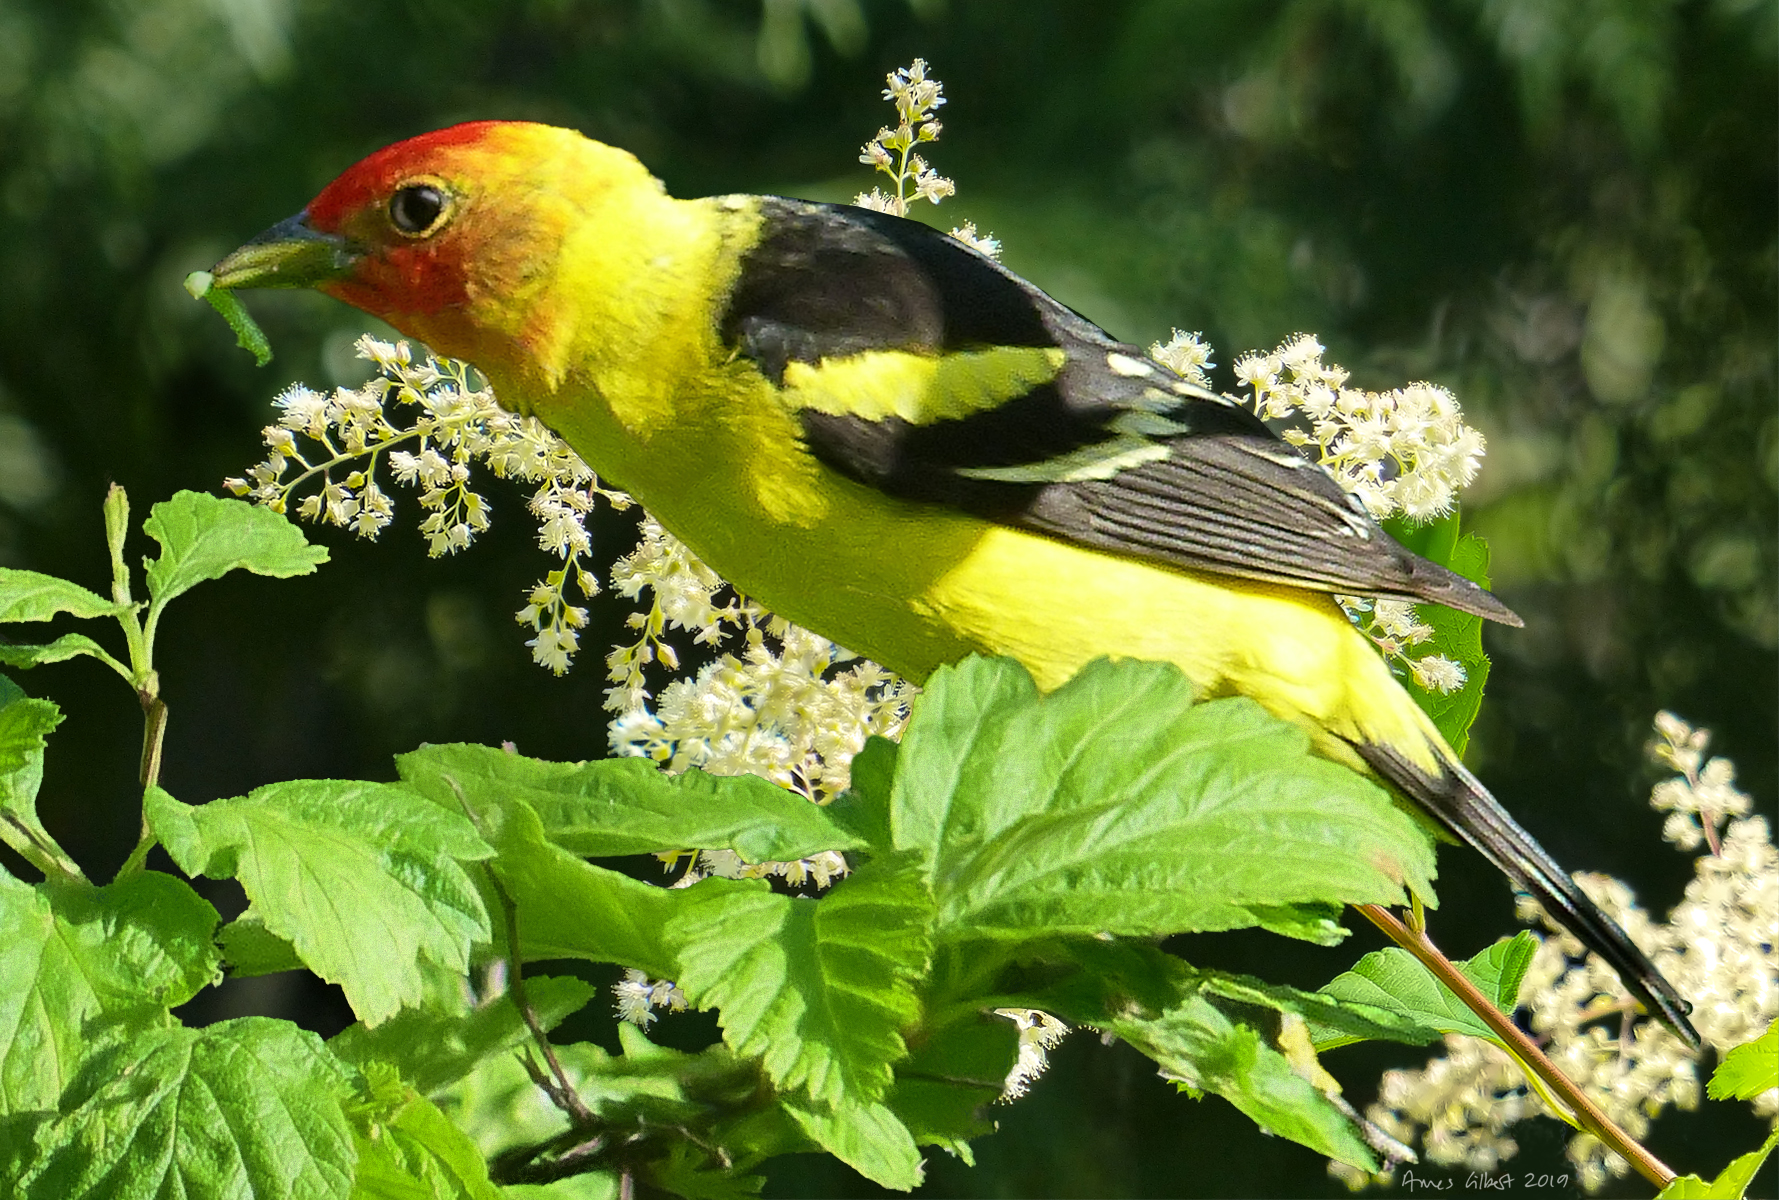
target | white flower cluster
x=916, y=99
x=1039, y=1033
x=1706, y=791
x=638, y=996
x=455, y=425
x=1717, y=947
x=1383, y=446
x=1402, y=451
x=1187, y=355
x=1394, y=625
x=782, y=708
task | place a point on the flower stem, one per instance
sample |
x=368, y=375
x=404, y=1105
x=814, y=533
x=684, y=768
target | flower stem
x=1530, y=1057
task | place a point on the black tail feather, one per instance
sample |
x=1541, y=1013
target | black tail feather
x=1465, y=807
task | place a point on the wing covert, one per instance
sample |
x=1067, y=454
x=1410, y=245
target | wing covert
x=923, y=369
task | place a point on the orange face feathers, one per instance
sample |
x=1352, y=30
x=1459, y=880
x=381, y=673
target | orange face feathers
x=454, y=236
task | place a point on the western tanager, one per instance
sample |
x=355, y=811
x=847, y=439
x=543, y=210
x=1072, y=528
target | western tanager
x=890, y=439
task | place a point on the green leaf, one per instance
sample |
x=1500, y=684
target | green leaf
x=25, y=726
x=1457, y=635
x=69, y=645
x=628, y=805
x=1199, y=1047
x=819, y=990
x=1394, y=980
x=248, y=335
x=689, y=1172
x=205, y=537
x=863, y=810
x=216, y=1112
x=1118, y=805
x=1749, y=1069
x=409, y=1150
x=433, y=1049
x=29, y=596
x=569, y=908
x=944, y=1114
x=76, y=960
x=249, y=949
x=594, y=1185
x=866, y=1137
x=364, y=879
x=1733, y=1184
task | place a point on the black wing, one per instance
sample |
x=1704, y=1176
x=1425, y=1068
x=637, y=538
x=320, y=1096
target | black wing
x=1109, y=449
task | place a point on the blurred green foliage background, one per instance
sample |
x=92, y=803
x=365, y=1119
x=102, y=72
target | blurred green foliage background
x=1563, y=211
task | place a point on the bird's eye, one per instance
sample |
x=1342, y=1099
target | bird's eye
x=418, y=209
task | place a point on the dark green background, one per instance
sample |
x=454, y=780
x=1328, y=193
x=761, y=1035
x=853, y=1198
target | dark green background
x=1564, y=212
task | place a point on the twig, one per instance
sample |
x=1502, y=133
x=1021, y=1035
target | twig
x=560, y=1090
x=1587, y=1113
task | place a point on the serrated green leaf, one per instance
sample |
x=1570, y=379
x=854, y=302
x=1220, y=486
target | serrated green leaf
x=69, y=645
x=819, y=990
x=25, y=726
x=869, y=1138
x=202, y=1113
x=1733, y=1184
x=1749, y=1069
x=569, y=908
x=630, y=806
x=432, y=1049
x=1116, y=804
x=409, y=1150
x=1200, y=1047
x=76, y=960
x=364, y=879
x=30, y=596
x=205, y=537
x=1392, y=979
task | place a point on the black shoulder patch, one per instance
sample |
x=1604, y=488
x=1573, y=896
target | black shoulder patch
x=828, y=280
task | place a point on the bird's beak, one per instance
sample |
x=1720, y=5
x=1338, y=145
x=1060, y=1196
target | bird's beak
x=288, y=255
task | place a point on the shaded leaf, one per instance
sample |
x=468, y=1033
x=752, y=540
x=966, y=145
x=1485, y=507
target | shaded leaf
x=409, y=1150
x=69, y=645
x=431, y=1049
x=622, y=806
x=1199, y=1047
x=569, y=908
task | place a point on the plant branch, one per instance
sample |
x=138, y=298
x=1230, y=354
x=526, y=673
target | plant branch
x=556, y=1086
x=1530, y=1057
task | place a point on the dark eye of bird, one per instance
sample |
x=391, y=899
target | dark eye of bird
x=415, y=209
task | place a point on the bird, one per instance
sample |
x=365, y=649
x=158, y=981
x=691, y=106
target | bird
x=887, y=437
